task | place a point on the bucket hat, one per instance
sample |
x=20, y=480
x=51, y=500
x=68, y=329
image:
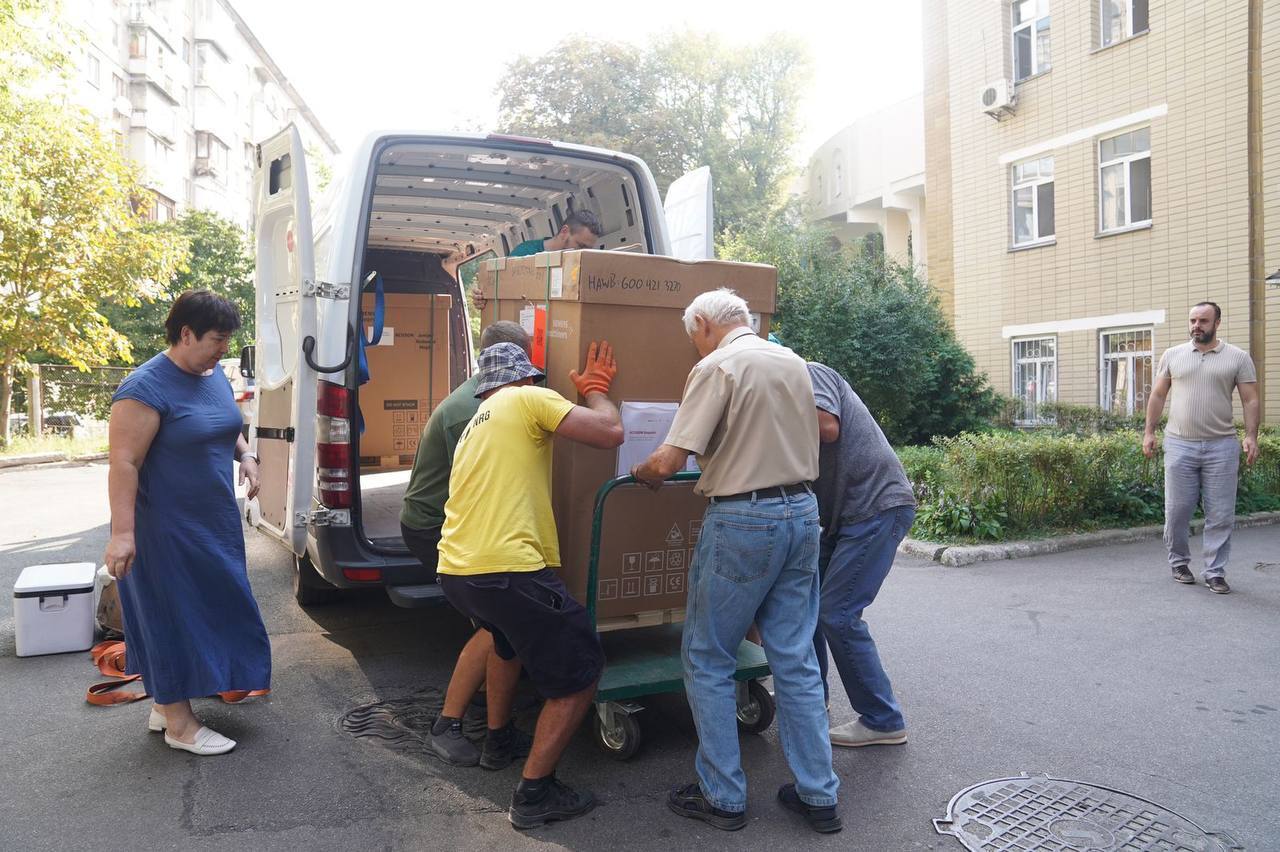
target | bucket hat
x=501, y=364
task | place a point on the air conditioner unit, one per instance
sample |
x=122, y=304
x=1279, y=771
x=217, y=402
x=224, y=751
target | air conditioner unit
x=998, y=98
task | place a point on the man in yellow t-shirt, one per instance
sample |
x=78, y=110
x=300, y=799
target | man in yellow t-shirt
x=499, y=545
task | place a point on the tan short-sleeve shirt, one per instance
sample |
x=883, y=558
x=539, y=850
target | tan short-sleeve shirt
x=749, y=415
x=1200, y=404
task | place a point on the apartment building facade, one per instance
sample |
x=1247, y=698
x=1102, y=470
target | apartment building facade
x=187, y=90
x=870, y=178
x=1095, y=168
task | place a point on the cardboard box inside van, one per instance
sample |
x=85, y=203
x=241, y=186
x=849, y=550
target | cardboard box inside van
x=636, y=302
x=408, y=376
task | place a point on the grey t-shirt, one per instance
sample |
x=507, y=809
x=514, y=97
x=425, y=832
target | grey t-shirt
x=859, y=475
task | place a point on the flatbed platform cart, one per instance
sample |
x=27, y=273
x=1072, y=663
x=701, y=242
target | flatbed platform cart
x=646, y=661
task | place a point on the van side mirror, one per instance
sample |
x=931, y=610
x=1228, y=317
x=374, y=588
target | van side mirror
x=246, y=361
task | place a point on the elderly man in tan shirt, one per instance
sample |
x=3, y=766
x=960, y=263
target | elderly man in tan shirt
x=748, y=414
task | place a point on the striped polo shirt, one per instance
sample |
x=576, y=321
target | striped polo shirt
x=1202, y=386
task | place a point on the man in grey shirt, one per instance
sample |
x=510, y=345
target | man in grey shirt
x=1201, y=452
x=866, y=507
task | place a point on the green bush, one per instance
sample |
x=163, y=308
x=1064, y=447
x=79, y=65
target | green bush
x=1003, y=485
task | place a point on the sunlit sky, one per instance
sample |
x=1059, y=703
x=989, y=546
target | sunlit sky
x=434, y=65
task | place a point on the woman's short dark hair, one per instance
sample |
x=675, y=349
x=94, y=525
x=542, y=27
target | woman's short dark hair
x=200, y=310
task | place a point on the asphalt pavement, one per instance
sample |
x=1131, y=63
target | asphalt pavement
x=1089, y=665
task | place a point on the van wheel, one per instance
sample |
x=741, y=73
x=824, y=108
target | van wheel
x=309, y=588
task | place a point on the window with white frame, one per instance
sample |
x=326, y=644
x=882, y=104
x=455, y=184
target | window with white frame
x=1030, y=38
x=1035, y=375
x=1033, y=202
x=1121, y=19
x=93, y=70
x=118, y=86
x=1127, y=369
x=1124, y=180
x=837, y=174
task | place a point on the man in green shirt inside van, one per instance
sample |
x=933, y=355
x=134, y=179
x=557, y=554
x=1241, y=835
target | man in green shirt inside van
x=420, y=521
x=582, y=230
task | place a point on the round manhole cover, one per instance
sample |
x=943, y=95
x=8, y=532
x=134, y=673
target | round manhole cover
x=1056, y=815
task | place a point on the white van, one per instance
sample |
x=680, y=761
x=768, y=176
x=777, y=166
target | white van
x=419, y=211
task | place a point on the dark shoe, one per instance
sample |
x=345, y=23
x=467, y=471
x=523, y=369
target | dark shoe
x=822, y=820
x=451, y=746
x=557, y=801
x=503, y=746
x=1183, y=574
x=689, y=802
x=1218, y=585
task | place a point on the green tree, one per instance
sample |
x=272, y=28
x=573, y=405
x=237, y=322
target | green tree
x=218, y=259
x=872, y=320
x=73, y=238
x=685, y=100
x=33, y=42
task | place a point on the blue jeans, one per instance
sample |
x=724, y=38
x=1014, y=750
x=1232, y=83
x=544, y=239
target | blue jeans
x=757, y=561
x=1208, y=472
x=853, y=563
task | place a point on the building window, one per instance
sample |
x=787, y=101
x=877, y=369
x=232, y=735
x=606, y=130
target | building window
x=186, y=51
x=1126, y=370
x=1030, y=38
x=93, y=70
x=163, y=210
x=1035, y=376
x=211, y=156
x=119, y=87
x=1122, y=19
x=837, y=175
x=1124, y=180
x=138, y=44
x=1033, y=202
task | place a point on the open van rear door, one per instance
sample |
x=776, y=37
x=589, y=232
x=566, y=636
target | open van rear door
x=689, y=219
x=285, y=300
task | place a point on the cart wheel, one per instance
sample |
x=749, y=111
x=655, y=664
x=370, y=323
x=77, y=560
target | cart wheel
x=621, y=741
x=756, y=715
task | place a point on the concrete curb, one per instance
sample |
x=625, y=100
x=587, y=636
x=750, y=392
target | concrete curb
x=968, y=554
x=48, y=458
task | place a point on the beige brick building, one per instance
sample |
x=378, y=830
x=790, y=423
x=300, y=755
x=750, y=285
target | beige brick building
x=1088, y=169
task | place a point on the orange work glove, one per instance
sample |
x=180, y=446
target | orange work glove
x=597, y=375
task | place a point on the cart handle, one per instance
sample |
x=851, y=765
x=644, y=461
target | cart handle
x=597, y=525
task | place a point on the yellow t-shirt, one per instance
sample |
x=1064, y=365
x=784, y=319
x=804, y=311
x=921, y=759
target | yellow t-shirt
x=498, y=515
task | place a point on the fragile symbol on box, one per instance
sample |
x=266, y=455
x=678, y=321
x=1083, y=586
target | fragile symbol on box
x=675, y=583
x=631, y=563
x=608, y=590
x=654, y=561
x=675, y=560
x=400, y=444
x=695, y=531
x=631, y=587
x=652, y=586
x=675, y=538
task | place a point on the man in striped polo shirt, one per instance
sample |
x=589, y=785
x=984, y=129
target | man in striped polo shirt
x=1201, y=452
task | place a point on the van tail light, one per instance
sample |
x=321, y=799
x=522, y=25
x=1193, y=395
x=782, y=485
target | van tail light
x=362, y=575
x=333, y=445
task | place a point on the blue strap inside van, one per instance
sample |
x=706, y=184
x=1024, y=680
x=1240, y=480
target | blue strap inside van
x=379, y=314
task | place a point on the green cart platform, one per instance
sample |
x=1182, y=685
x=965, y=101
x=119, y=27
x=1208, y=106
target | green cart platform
x=646, y=661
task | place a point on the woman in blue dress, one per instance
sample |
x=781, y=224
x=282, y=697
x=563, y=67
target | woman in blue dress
x=192, y=627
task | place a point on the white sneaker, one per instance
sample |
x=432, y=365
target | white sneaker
x=155, y=720
x=855, y=735
x=207, y=742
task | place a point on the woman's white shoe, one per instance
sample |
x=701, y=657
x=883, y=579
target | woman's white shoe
x=207, y=742
x=155, y=721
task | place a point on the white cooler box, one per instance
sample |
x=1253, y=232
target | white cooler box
x=53, y=608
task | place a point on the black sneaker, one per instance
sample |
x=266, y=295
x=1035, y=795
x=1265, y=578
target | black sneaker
x=451, y=746
x=1183, y=574
x=822, y=820
x=558, y=801
x=503, y=746
x=689, y=802
x=1218, y=585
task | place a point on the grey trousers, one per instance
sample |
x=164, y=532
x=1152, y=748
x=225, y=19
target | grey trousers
x=1204, y=472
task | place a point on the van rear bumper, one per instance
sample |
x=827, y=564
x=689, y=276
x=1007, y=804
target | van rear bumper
x=339, y=554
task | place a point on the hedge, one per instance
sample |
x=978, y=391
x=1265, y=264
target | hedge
x=1004, y=485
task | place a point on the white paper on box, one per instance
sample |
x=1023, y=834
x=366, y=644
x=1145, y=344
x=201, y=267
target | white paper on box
x=557, y=282
x=644, y=427
x=388, y=337
x=526, y=319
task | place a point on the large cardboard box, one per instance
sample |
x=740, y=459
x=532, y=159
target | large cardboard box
x=636, y=303
x=408, y=376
